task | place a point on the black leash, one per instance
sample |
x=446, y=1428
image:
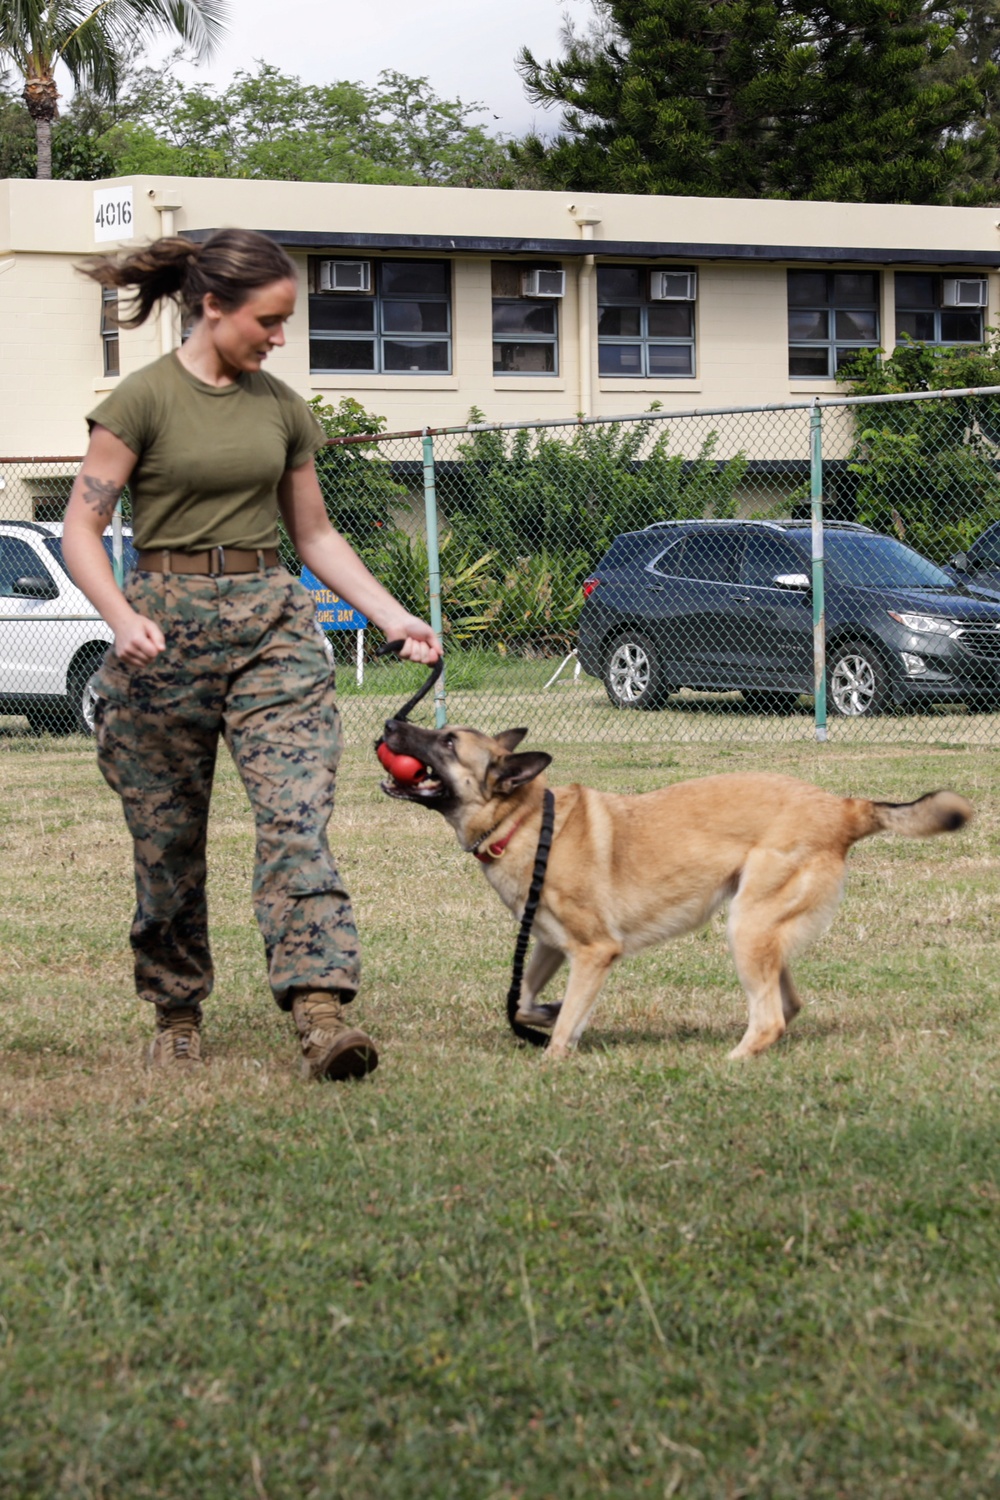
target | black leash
x=525, y=1033
x=390, y=649
x=528, y=1033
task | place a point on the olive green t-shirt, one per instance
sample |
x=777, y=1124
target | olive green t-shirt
x=210, y=458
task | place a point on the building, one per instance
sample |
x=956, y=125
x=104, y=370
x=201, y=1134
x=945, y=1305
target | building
x=425, y=302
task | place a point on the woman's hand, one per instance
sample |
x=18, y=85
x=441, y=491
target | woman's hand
x=138, y=640
x=420, y=644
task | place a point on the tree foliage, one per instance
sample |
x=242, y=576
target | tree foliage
x=90, y=41
x=269, y=124
x=858, y=102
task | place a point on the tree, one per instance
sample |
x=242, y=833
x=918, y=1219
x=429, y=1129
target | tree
x=764, y=98
x=75, y=152
x=268, y=124
x=36, y=35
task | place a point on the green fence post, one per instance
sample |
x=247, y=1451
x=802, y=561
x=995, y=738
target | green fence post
x=818, y=581
x=117, y=546
x=434, y=568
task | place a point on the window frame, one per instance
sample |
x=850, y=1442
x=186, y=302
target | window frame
x=545, y=340
x=110, y=334
x=644, y=339
x=379, y=336
x=936, y=312
x=833, y=345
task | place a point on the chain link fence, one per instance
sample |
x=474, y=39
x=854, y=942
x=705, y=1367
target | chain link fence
x=822, y=569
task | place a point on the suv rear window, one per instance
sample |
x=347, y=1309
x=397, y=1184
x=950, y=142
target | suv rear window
x=630, y=549
x=712, y=556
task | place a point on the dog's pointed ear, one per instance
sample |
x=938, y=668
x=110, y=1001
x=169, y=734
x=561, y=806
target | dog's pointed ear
x=517, y=770
x=511, y=738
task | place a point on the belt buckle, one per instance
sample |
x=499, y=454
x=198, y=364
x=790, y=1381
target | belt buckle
x=216, y=572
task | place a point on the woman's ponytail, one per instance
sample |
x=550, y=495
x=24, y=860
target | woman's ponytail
x=230, y=264
x=162, y=269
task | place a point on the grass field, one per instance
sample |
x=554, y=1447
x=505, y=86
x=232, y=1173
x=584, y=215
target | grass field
x=647, y=1272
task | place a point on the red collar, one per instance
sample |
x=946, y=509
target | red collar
x=494, y=851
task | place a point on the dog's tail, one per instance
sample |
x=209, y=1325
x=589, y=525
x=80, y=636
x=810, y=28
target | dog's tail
x=935, y=812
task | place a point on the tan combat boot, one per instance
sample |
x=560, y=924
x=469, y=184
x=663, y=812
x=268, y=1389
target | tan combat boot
x=330, y=1048
x=177, y=1043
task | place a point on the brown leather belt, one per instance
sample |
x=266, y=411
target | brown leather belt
x=215, y=561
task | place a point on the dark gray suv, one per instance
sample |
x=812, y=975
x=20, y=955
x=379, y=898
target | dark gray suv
x=719, y=605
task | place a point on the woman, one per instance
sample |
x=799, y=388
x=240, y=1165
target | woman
x=213, y=637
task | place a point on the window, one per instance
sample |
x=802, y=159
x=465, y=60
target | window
x=109, y=329
x=401, y=326
x=710, y=556
x=18, y=560
x=639, y=335
x=985, y=550
x=525, y=329
x=766, y=556
x=831, y=315
x=921, y=314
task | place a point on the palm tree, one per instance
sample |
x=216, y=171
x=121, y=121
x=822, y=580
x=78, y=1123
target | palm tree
x=91, y=39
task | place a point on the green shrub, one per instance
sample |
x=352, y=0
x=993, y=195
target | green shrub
x=927, y=471
x=362, y=496
x=526, y=491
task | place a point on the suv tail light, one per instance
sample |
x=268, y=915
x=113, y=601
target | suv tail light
x=589, y=585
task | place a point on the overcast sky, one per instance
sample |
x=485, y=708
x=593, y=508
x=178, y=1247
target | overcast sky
x=466, y=48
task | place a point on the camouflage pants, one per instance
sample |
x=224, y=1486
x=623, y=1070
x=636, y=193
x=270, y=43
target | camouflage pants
x=243, y=659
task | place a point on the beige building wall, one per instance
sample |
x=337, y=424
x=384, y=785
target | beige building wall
x=50, y=345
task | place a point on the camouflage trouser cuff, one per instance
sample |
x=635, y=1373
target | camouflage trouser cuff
x=285, y=1000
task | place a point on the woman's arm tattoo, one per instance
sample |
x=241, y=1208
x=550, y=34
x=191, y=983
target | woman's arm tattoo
x=102, y=494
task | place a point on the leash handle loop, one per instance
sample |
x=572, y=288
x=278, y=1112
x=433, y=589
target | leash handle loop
x=528, y=1033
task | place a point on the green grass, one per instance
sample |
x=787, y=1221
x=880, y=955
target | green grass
x=645, y=1272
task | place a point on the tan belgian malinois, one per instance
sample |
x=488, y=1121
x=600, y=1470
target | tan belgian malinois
x=628, y=871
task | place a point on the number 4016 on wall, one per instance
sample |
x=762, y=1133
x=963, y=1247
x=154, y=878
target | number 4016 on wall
x=113, y=216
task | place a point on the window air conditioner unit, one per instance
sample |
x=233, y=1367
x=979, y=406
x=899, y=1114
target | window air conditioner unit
x=964, y=292
x=345, y=275
x=543, y=284
x=673, y=286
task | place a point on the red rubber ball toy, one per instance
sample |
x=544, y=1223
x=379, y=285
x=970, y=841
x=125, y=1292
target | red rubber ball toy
x=403, y=768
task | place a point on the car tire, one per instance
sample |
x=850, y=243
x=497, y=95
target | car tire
x=633, y=672
x=768, y=701
x=857, y=681
x=81, y=700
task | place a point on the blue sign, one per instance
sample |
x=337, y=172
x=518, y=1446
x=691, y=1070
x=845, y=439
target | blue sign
x=331, y=611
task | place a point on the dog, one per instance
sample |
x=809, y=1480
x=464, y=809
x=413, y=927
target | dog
x=626, y=872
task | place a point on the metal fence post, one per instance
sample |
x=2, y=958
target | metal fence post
x=117, y=546
x=434, y=568
x=818, y=580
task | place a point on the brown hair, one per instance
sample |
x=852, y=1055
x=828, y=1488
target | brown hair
x=230, y=264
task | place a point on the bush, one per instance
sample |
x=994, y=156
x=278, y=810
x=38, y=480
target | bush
x=927, y=471
x=527, y=491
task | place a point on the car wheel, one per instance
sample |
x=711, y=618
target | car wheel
x=857, y=681
x=81, y=699
x=633, y=675
x=765, y=701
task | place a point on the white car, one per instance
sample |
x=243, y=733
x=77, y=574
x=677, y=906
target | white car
x=51, y=638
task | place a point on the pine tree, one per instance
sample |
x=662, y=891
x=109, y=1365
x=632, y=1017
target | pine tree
x=764, y=98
